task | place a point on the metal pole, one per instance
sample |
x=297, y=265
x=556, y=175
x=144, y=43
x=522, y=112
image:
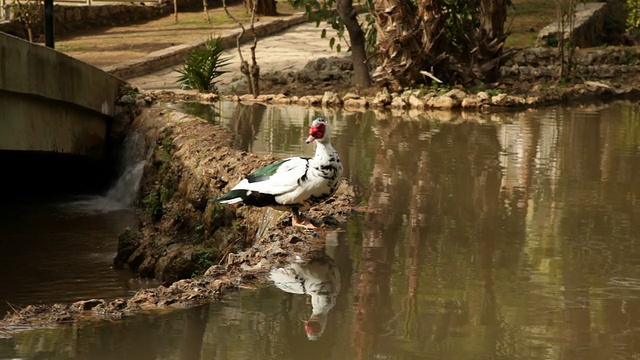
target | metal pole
x=48, y=23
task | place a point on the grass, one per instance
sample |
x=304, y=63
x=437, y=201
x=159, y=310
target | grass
x=525, y=20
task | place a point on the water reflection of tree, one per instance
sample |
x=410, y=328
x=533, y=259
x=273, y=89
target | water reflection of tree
x=598, y=228
x=437, y=189
x=245, y=124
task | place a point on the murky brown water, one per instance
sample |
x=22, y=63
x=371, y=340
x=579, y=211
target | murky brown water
x=488, y=241
x=60, y=251
x=59, y=245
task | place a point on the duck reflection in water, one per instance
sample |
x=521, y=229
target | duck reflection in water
x=316, y=275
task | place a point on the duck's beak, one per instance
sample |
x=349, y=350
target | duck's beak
x=310, y=139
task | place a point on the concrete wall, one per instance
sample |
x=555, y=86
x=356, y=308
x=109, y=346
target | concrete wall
x=594, y=23
x=52, y=102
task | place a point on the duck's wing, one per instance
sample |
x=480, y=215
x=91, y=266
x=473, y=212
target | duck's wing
x=287, y=280
x=262, y=186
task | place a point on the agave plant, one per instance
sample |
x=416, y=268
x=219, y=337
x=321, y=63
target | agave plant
x=202, y=67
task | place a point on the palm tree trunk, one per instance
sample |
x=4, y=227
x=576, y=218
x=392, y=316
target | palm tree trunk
x=399, y=47
x=491, y=37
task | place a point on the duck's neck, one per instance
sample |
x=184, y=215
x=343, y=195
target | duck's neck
x=324, y=151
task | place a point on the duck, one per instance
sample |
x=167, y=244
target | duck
x=293, y=184
x=317, y=276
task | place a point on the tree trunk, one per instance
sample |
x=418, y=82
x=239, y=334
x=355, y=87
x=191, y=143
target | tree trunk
x=175, y=10
x=206, y=11
x=348, y=15
x=266, y=8
x=399, y=47
x=456, y=42
x=491, y=37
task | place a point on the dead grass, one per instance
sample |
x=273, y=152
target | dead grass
x=526, y=18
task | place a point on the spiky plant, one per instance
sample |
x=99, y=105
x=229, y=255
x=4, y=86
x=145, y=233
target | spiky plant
x=203, y=66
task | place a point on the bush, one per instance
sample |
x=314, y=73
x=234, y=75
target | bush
x=633, y=14
x=202, y=67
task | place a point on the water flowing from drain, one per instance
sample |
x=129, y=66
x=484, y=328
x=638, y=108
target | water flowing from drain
x=123, y=194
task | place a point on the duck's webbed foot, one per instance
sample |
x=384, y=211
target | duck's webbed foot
x=299, y=220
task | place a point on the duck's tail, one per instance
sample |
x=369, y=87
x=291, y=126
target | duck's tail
x=232, y=197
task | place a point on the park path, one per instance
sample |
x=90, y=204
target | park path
x=287, y=50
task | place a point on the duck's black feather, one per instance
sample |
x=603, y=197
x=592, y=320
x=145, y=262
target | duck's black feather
x=248, y=197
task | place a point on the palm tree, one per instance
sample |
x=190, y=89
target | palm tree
x=452, y=41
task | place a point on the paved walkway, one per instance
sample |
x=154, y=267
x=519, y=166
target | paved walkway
x=287, y=50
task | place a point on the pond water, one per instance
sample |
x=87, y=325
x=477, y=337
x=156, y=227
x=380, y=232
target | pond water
x=497, y=236
x=47, y=238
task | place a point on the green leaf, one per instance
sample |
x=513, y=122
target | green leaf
x=202, y=66
x=332, y=42
x=323, y=34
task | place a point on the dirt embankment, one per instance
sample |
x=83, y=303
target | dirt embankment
x=183, y=234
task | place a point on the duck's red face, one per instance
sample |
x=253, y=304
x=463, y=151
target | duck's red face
x=316, y=132
x=312, y=328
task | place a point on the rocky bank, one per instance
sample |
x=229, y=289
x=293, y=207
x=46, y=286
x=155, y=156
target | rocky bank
x=529, y=78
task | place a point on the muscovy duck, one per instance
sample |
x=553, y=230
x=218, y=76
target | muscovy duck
x=317, y=276
x=295, y=183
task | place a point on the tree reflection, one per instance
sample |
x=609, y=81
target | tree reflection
x=245, y=124
x=440, y=217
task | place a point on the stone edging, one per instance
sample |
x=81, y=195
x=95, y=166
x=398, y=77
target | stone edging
x=455, y=99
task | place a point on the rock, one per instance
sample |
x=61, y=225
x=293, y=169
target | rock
x=263, y=264
x=86, y=304
x=147, y=268
x=310, y=100
x=398, y=103
x=214, y=271
x=382, y=98
x=443, y=102
x=350, y=96
x=331, y=99
x=483, y=96
x=360, y=103
x=128, y=242
x=456, y=94
x=532, y=100
x=176, y=264
x=499, y=100
x=265, y=98
x=415, y=102
x=282, y=99
x=473, y=101
x=209, y=97
x=507, y=100
x=137, y=257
